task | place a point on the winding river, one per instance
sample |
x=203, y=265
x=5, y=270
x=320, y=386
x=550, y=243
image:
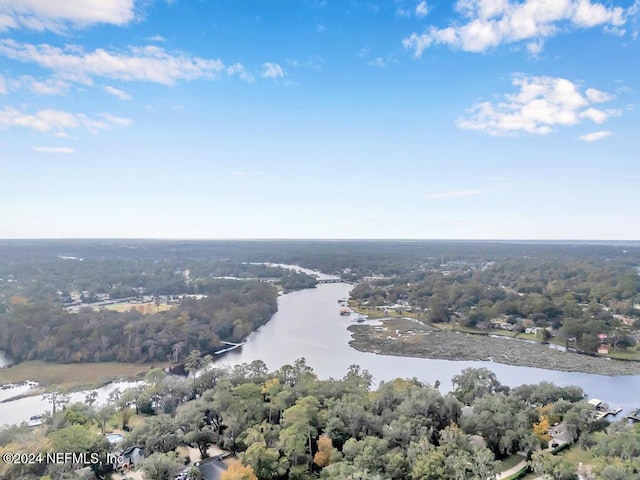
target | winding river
x=308, y=324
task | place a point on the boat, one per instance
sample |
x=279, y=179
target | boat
x=35, y=421
x=345, y=311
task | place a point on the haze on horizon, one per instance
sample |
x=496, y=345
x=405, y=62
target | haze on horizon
x=318, y=119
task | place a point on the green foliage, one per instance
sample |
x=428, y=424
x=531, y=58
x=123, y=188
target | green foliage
x=161, y=466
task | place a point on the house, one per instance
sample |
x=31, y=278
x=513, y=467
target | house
x=130, y=457
x=559, y=436
x=212, y=468
x=596, y=403
x=603, y=349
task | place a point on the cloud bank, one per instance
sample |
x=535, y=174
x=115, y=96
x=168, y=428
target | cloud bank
x=541, y=104
x=488, y=24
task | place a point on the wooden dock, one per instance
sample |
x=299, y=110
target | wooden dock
x=232, y=346
x=603, y=413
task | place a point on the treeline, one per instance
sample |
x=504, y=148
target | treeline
x=351, y=259
x=289, y=424
x=50, y=271
x=42, y=331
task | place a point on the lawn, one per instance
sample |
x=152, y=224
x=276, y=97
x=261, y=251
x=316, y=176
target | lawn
x=626, y=355
x=576, y=455
x=74, y=376
x=509, y=462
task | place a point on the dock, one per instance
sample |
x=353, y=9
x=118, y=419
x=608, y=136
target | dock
x=603, y=413
x=634, y=416
x=232, y=346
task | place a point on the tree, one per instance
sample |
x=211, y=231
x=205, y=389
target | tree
x=552, y=467
x=57, y=397
x=237, y=471
x=91, y=398
x=193, y=363
x=266, y=462
x=322, y=458
x=161, y=466
x=103, y=415
x=203, y=438
x=473, y=383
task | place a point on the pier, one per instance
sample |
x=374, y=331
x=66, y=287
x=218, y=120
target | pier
x=232, y=346
x=634, y=416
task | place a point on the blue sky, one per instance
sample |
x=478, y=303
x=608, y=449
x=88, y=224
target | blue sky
x=477, y=119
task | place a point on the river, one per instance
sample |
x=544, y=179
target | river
x=308, y=324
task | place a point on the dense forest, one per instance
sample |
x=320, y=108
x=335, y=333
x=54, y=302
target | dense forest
x=289, y=424
x=230, y=311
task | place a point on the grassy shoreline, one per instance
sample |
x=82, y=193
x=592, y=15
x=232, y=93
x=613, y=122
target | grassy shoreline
x=75, y=376
x=408, y=338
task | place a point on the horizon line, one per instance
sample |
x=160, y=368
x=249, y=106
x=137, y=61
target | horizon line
x=312, y=239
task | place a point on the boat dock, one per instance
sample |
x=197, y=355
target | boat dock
x=232, y=346
x=634, y=416
x=602, y=409
x=603, y=413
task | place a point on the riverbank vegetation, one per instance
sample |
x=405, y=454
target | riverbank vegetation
x=411, y=338
x=75, y=376
x=229, y=312
x=289, y=424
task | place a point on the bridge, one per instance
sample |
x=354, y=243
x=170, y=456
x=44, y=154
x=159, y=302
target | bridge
x=332, y=280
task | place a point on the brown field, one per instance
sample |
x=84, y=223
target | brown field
x=75, y=376
x=143, y=308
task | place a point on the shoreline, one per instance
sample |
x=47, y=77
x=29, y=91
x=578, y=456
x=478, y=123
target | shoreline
x=406, y=338
x=73, y=377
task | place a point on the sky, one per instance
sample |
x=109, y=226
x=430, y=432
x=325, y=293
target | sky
x=205, y=119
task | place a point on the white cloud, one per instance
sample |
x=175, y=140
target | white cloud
x=51, y=86
x=592, y=137
x=422, y=9
x=457, y=194
x=490, y=23
x=125, y=122
x=157, y=38
x=272, y=70
x=53, y=150
x=56, y=121
x=541, y=104
x=377, y=62
x=149, y=64
x=116, y=92
x=59, y=15
x=596, y=96
x=238, y=69
x=535, y=47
